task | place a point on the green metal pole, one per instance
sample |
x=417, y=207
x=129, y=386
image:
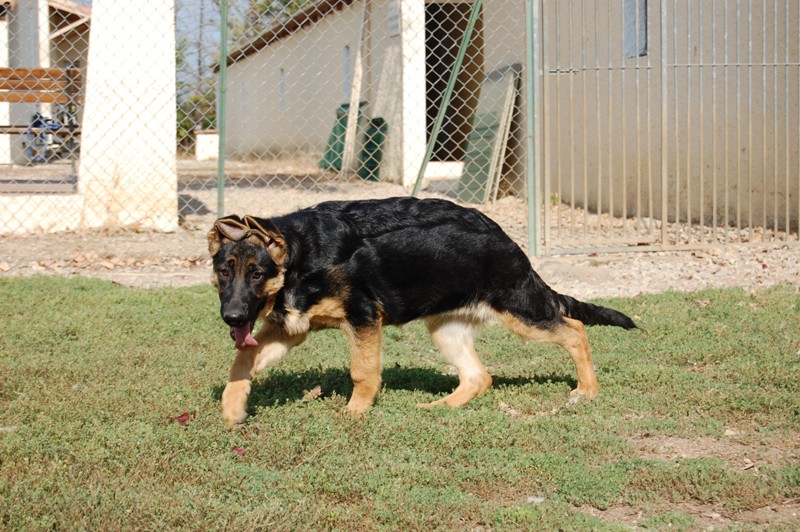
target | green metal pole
x=448, y=93
x=222, y=91
x=531, y=36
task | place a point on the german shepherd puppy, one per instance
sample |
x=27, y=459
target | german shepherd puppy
x=361, y=265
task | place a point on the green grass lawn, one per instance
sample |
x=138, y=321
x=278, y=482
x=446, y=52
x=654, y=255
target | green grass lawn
x=697, y=424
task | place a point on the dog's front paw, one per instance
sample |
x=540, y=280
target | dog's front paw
x=234, y=417
x=358, y=408
x=234, y=402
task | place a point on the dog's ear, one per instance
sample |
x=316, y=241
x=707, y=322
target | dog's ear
x=269, y=234
x=230, y=227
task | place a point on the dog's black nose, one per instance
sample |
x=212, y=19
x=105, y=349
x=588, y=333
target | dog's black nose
x=234, y=318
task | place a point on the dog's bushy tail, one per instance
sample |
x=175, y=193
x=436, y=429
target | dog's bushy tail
x=593, y=314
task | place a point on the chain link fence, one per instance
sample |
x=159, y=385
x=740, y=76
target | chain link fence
x=322, y=99
x=43, y=56
x=87, y=115
x=341, y=98
x=655, y=125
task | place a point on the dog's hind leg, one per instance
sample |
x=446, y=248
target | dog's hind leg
x=569, y=334
x=273, y=345
x=365, y=366
x=455, y=339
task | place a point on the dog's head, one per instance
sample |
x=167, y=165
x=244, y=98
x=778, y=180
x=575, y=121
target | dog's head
x=249, y=257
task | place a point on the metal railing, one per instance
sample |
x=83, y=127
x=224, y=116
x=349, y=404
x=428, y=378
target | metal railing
x=670, y=124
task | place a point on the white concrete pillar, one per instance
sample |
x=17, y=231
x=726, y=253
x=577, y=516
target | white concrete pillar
x=127, y=172
x=412, y=13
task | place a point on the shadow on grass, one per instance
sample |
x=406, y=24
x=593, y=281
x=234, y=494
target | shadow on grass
x=278, y=387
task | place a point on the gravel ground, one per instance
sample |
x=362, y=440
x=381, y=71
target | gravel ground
x=148, y=259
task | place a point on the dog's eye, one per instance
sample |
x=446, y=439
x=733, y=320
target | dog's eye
x=257, y=275
x=224, y=272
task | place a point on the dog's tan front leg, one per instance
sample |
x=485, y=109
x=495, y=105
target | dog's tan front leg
x=234, y=397
x=273, y=345
x=365, y=366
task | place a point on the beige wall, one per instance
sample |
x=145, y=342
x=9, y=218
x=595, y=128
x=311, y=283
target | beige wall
x=283, y=99
x=290, y=91
x=729, y=134
x=299, y=118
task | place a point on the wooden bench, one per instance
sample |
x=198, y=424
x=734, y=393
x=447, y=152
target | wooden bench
x=40, y=85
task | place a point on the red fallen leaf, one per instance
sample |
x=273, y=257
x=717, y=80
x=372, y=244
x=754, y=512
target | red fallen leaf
x=238, y=450
x=182, y=420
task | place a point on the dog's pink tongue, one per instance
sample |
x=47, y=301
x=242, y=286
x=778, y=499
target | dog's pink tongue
x=243, y=337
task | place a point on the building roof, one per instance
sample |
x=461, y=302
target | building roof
x=71, y=6
x=71, y=17
x=311, y=14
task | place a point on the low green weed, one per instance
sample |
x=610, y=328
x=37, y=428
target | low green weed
x=109, y=418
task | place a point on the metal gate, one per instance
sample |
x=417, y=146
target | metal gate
x=668, y=124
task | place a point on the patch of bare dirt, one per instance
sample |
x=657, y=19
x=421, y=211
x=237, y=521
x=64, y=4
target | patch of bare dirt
x=148, y=259
x=738, y=455
x=783, y=516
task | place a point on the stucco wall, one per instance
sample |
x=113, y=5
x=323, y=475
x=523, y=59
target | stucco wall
x=283, y=99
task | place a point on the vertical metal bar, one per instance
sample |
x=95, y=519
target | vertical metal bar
x=598, y=122
x=547, y=120
x=750, y=120
x=675, y=72
x=540, y=131
x=738, y=123
x=448, y=94
x=714, y=167
x=775, y=60
x=557, y=148
x=623, y=74
x=222, y=97
x=585, y=125
x=650, y=213
x=786, y=88
x=571, y=110
x=664, y=128
x=638, y=127
x=531, y=68
x=611, y=152
x=701, y=153
x=774, y=117
x=798, y=124
x=689, y=124
x=726, y=214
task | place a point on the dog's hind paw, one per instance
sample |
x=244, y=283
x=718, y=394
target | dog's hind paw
x=578, y=395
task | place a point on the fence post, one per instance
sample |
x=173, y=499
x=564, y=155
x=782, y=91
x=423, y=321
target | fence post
x=532, y=76
x=221, y=97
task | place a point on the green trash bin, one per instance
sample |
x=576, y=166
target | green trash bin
x=372, y=152
x=332, y=159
